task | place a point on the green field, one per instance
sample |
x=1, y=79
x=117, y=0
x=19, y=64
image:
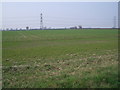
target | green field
x=60, y=58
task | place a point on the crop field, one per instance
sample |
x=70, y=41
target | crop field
x=86, y=58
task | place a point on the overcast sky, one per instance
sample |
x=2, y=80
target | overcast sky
x=59, y=14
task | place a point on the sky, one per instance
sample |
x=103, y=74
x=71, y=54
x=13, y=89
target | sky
x=59, y=14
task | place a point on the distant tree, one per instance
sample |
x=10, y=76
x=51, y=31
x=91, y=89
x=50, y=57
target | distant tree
x=27, y=28
x=7, y=29
x=75, y=27
x=45, y=27
x=11, y=29
x=80, y=27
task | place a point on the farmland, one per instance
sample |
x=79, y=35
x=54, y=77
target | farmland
x=60, y=58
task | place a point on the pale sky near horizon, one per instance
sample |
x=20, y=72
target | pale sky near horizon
x=59, y=14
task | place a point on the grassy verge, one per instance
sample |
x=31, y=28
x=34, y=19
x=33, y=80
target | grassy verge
x=60, y=59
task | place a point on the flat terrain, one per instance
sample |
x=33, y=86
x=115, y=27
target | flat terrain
x=60, y=58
